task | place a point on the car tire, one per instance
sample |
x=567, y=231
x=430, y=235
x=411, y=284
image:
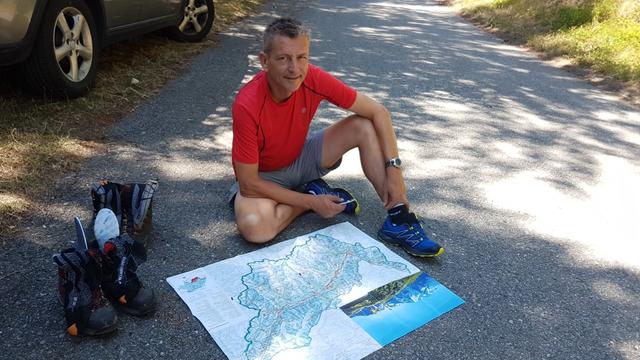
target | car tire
x=197, y=21
x=64, y=58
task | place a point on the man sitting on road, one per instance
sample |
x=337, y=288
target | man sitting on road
x=272, y=156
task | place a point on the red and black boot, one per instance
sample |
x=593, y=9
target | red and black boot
x=120, y=283
x=86, y=310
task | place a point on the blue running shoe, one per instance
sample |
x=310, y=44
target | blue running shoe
x=320, y=187
x=411, y=237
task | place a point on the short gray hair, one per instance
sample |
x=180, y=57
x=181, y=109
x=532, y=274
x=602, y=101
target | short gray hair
x=288, y=27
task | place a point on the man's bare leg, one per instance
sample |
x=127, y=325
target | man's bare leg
x=355, y=131
x=259, y=220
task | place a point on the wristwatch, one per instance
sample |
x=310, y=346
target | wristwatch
x=395, y=162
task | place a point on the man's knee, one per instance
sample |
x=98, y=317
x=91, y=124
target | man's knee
x=254, y=229
x=362, y=127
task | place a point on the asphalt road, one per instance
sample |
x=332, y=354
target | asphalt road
x=526, y=174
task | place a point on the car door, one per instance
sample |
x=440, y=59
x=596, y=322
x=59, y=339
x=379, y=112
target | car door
x=154, y=9
x=121, y=13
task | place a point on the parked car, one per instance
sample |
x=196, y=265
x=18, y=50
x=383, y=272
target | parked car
x=58, y=42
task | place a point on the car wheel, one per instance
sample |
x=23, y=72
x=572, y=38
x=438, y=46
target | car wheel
x=197, y=20
x=64, y=59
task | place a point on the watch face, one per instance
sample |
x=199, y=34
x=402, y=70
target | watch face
x=395, y=162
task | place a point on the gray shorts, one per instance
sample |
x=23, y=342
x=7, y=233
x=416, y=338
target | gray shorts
x=305, y=168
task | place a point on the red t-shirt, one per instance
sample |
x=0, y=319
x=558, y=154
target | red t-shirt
x=273, y=134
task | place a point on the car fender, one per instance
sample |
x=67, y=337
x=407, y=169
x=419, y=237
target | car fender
x=99, y=16
x=18, y=51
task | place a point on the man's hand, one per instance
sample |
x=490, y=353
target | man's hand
x=326, y=206
x=395, y=189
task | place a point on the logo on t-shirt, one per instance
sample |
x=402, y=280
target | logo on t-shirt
x=303, y=110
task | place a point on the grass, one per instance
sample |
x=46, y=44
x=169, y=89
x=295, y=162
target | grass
x=603, y=35
x=41, y=139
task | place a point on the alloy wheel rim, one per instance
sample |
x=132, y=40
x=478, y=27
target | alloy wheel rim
x=196, y=14
x=73, y=44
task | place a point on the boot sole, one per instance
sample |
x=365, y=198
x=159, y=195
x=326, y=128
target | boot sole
x=99, y=332
x=137, y=313
x=134, y=312
x=146, y=199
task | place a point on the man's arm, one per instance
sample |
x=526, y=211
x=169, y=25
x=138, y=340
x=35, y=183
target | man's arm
x=253, y=186
x=395, y=189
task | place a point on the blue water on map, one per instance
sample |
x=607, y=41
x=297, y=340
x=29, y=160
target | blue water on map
x=392, y=323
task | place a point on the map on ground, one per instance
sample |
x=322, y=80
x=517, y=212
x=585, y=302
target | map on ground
x=335, y=293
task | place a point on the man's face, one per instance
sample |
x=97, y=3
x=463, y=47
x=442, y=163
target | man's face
x=286, y=65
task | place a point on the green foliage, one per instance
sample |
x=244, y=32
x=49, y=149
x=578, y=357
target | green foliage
x=569, y=16
x=502, y=3
x=605, y=9
x=612, y=46
x=601, y=34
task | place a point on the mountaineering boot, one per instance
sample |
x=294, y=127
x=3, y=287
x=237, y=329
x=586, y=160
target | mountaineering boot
x=121, y=257
x=86, y=310
x=320, y=187
x=138, y=205
x=131, y=203
x=106, y=194
x=410, y=235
